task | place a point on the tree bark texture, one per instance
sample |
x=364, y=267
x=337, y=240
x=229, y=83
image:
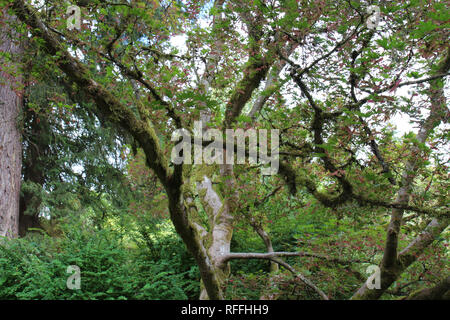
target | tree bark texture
x=10, y=136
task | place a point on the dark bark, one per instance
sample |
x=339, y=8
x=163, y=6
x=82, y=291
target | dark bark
x=33, y=170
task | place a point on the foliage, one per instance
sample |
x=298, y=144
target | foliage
x=101, y=105
x=35, y=267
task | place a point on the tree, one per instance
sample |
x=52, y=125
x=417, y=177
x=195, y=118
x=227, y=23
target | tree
x=72, y=162
x=340, y=86
x=11, y=98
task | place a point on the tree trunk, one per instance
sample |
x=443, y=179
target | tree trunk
x=10, y=136
x=33, y=169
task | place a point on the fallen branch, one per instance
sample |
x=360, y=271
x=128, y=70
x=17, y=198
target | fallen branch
x=271, y=255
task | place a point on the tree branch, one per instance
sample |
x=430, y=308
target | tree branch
x=438, y=292
x=254, y=255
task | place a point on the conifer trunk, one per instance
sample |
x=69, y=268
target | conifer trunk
x=10, y=136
